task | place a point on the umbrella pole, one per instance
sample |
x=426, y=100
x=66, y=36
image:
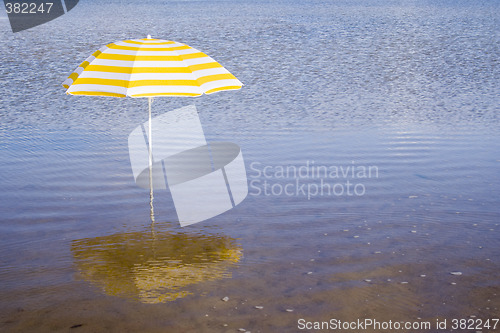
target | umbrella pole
x=150, y=100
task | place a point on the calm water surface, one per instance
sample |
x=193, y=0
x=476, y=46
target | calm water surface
x=406, y=89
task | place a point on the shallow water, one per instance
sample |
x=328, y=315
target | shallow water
x=406, y=89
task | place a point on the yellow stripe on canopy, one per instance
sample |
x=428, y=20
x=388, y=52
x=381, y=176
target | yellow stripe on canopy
x=222, y=88
x=133, y=84
x=211, y=78
x=97, y=93
x=166, y=94
x=136, y=70
x=142, y=43
x=126, y=57
x=137, y=48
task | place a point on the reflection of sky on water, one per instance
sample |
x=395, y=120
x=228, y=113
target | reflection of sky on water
x=154, y=267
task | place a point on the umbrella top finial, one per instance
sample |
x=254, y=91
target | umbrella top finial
x=149, y=36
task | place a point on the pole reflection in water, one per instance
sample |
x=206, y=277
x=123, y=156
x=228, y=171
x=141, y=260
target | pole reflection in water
x=154, y=267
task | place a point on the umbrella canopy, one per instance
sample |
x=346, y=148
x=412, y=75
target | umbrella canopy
x=149, y=67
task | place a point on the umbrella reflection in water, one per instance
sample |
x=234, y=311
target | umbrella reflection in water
x=154, y=267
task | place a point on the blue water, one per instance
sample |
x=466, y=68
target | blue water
x=408, y=87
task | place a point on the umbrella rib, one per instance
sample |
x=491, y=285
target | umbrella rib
x=129, y=81
x=190, y=69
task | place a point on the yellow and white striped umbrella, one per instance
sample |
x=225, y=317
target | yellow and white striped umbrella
x=147, y=68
